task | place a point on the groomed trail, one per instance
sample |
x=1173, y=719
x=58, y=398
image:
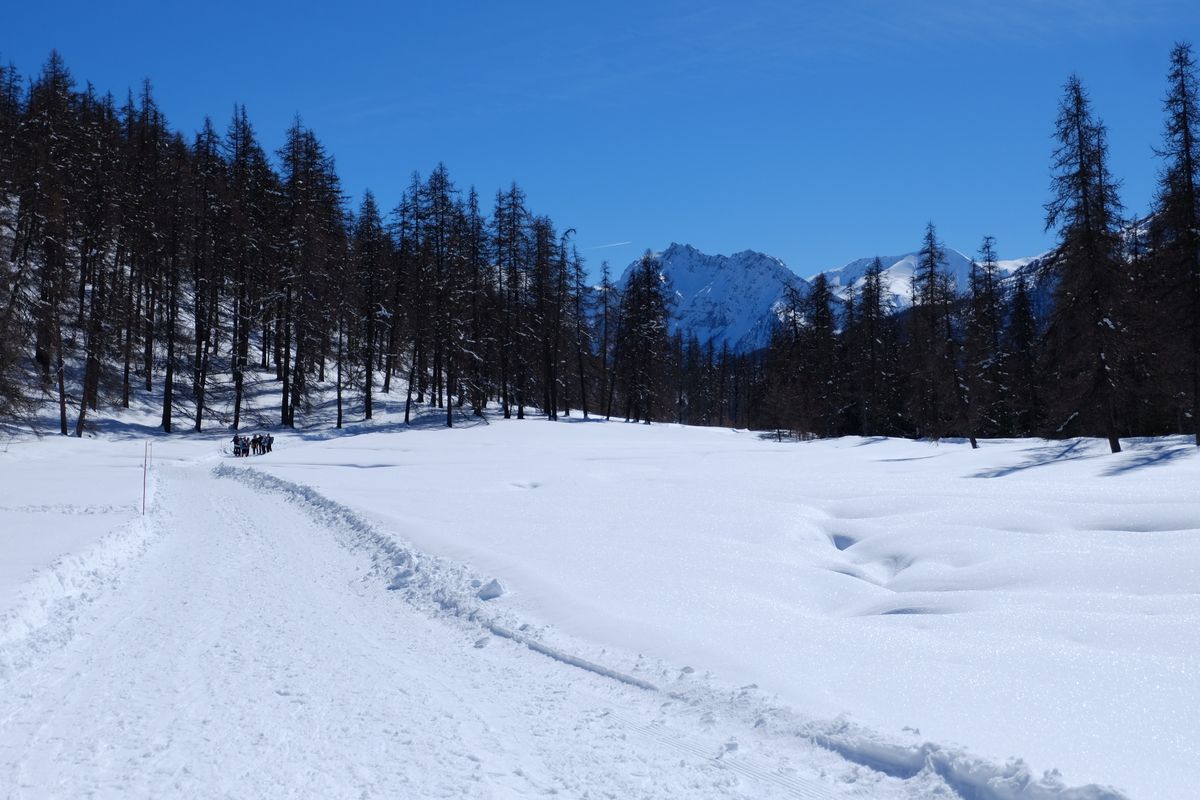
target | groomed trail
x=248, y=652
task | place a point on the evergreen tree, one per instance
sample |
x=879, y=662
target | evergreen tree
x=785, y=399
x=251, y=247
x=819, y=370
x=984, y=359
x=47, y=161
x=872, y=358
x=511, y=247
x=15, y=400
x=642, y=342
x=1021, y=363
x=1176, y=225
x=208, y=229
x=370, y=259
x=97, y=225
x=936, y=405
x=1085, y=339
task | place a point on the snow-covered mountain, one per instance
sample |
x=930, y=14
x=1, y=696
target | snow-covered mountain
x=734, y=299
x=898, y=271
x=725, y=299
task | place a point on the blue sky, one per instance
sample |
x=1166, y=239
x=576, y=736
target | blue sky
x=815, y=132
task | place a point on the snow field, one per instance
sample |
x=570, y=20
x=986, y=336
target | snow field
x=1031, y=605
x=249, y=652
x=854, y=618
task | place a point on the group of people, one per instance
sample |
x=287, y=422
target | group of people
x=254, y=445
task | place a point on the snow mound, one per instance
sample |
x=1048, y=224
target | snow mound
x=441, y=585
x=972, y=778
x=491, y=590
x=429, y=582
x=50, y=603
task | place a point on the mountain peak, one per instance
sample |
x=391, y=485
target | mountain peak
x=725, y=300
x=734, y=299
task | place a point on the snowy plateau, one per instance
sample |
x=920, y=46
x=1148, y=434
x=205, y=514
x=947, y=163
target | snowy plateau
x=518, y=609
x=734, y=300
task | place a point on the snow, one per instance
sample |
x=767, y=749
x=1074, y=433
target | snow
x=599, y=609
x=43, y=517
x=734, y=299
x=726, y=300
x=898, y=273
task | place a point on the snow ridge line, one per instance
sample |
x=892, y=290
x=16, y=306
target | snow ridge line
x=971, y=777
x=569, y=659
x=451, y=587
x=54, y=597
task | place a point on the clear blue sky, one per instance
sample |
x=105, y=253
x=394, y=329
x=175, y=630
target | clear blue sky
x=815, y=132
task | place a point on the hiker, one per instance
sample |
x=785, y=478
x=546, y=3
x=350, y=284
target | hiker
x=256, y=444
x=268, y=440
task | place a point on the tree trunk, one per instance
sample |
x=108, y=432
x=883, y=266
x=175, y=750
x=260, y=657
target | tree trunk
x=339, y=376
x=62, y=377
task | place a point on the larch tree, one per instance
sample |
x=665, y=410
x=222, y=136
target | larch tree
x=370, y=259
x=1084, y=342
x=984, y=360
x=935, y=402
x=1176, y=223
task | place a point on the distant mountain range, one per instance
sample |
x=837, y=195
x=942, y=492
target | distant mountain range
x=734, y=300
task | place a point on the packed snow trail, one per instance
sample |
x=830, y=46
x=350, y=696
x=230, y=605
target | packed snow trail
x=248, y=654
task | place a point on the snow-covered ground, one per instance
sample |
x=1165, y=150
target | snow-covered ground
x=686, y=613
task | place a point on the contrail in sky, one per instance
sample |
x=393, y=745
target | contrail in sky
x=603, y=246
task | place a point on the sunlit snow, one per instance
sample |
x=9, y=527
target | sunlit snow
x=471, y=612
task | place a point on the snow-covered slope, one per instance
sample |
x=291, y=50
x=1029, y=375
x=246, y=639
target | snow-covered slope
x=733, y=299
x=898, y=272
x=725, y=299
x=904, y=621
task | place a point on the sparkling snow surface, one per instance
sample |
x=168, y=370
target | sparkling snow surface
x=862, y=617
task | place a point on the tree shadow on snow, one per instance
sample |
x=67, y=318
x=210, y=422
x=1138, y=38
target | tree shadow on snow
x=1150, y=454
x=422, y=419
x=1050, y=453
x=1138, y=454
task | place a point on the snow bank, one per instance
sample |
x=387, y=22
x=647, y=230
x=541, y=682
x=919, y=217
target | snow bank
x=454, y=589
x=450, y=587
x=50, y=603
x=1031, y=599
x=972, y=778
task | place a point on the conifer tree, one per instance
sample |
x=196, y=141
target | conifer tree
x=511, y=247
x=1176, y=223
x=872, y=359
x=370, y=259
x=47, y=161
x=642, y=342
x=15, y=400
x=984, y=359
x=1021, y=362
x=934, y=400
x=819, y=370
x=250, y=248
x=208, y=229
x=1084, y=342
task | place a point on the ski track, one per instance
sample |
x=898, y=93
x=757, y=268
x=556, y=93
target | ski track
x=248, y=653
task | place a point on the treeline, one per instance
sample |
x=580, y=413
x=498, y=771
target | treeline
x=1117, y=352
x=133, y=259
